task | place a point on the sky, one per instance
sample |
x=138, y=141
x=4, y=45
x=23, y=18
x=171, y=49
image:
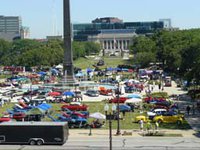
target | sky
x=44, y=17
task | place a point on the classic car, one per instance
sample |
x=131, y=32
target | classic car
x=115, y=100
x=75, y=107
x=169, y=117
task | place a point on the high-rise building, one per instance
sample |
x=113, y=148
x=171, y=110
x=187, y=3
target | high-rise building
x=10, y=27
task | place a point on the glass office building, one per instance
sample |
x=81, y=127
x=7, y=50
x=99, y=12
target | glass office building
x=81, y=32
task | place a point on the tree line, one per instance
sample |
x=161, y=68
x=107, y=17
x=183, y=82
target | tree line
x=177, y=51
x=29, y=52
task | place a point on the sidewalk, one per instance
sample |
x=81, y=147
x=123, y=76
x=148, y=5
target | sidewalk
x=135, y=133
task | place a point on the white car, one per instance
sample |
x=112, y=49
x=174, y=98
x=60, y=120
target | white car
x=155, y=112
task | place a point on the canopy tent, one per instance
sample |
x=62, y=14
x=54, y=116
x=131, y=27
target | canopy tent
x=54, y=71
x=69, y=93
x=79, y=74
x=133, y=100
x=44, y=106
x=89, y=70
x=59, y=66
x=110, y=69
x=134, y=96
x=97, y=115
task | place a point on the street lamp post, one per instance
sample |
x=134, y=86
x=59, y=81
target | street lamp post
x=118, y=123
x=110, y=132
x=109, y=117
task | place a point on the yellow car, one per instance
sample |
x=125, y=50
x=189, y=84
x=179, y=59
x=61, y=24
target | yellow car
x=141, y=117
x=169, y=117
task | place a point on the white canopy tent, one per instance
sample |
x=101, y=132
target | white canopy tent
x=97, y=115
x=133, y=100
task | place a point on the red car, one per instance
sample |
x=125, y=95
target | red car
x=106, y=92
x=4, y=119
x=19, y=116
x=115, y=100
x=150, y=99
x=75, y=107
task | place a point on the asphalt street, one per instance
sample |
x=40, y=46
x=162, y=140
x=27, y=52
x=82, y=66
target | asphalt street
x=126, y=143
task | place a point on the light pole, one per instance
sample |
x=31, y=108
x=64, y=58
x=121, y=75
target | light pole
x=106, y=108
x=110, y=131
x=118, y=124
x=109, y=117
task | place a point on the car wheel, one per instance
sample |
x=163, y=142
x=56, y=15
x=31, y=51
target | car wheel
x=39, y=142
x=32, y=142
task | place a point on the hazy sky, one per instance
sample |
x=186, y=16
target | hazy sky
x=44, y=17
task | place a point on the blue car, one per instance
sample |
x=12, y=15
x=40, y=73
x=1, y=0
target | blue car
x=124, y=108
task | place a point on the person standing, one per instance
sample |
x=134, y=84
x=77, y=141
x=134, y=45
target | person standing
x=141, y=122
x=148, y=126
x=156, y=126
x=188, y=110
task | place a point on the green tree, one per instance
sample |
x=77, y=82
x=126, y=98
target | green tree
x=92, y=47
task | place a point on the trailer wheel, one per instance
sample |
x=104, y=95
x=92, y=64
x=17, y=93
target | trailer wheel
x=32, y=142
x=39, y=142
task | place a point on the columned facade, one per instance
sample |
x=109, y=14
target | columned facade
x=114, y=42
x=115, y=45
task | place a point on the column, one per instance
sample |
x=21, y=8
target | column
x=118, y=42
x=106, y=44
x=122, y=45
x=128, y=44
x=114, y=44
x=126, y=47
x=102, y=44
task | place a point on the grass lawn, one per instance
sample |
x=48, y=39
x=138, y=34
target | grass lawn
x=126, y=123
x=84, y=63
x=4, y=76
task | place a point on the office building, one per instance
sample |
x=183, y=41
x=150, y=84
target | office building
x=11, y=27
x=112, y=33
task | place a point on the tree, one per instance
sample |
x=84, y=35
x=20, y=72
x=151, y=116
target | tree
x=92, y=47
x=5, y=46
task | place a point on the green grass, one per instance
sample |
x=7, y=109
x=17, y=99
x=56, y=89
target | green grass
x=4, y=76
x=126, y=123
x=84, y=63
x=3, y=109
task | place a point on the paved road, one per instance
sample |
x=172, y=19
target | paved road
x=126, y=143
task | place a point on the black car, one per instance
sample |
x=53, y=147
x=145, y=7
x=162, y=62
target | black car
x=100, y=63
x=93, y=93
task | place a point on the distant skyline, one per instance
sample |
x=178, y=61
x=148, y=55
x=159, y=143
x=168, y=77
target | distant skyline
x=45, y=17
